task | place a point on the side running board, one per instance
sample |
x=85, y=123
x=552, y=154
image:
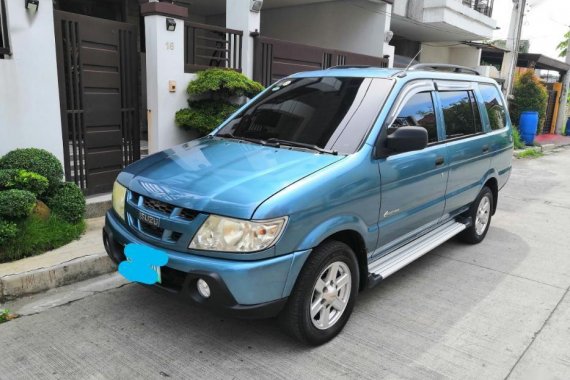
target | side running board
x=396, y=260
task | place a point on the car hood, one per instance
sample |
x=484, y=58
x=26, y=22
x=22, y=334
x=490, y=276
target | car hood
x=220, y=176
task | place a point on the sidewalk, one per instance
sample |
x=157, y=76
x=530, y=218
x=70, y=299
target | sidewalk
x=551, y=139
x=81, y=259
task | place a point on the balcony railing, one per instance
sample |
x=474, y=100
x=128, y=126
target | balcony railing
x=208, y=46
x=482, y=6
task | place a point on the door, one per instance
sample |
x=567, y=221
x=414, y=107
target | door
x=98, y=79
x=468, y=146
x=413, y=183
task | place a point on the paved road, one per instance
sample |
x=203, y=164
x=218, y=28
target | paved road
x=497, y=310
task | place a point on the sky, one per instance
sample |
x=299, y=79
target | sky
x=544, y=25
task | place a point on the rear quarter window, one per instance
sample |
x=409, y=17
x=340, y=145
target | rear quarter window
x=493, y=105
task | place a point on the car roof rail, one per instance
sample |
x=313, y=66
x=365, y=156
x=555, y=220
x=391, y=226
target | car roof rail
x=350, y=67
x=443, y=67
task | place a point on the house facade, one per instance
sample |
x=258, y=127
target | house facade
x=97, y=81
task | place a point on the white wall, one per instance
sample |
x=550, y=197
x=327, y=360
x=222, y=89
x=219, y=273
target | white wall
x=29, y=94
x=433, y=54
x=164, y=63
x=355, y=26
x=457, y=55
x=238, y=16
x=465, y=56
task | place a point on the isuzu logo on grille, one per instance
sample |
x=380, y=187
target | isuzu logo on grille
x=149, y=219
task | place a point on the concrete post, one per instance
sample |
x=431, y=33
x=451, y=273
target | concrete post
x=510, y=59
x=239, y=16
x=164, y=69
x=561, y=119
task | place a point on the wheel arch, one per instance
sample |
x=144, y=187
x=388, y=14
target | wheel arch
x=493, y=184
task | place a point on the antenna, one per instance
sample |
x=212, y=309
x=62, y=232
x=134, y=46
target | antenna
x=413, y=59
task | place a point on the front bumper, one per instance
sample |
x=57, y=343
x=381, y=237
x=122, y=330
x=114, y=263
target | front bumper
x=249, y=289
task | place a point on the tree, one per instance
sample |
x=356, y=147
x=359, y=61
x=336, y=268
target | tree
x=530, y=95
x=563, y=46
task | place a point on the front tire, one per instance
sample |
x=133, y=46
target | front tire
x=480, y=212
x=323, y=297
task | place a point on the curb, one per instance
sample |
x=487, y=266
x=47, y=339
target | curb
x=97, y=206
x=39, y=280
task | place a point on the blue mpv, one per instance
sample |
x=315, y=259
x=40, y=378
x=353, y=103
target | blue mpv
x=323, y=185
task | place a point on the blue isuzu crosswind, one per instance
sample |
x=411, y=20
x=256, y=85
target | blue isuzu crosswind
x=321, y=186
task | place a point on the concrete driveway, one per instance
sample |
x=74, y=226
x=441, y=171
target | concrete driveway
x=497, y=310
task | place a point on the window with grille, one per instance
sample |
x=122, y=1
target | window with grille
x=4, y=41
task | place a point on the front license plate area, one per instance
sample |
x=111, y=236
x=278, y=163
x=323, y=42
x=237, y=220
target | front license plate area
x=158, y=273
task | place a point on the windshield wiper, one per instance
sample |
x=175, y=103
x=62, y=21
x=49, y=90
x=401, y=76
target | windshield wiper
x=249, y=139
x=301, y=145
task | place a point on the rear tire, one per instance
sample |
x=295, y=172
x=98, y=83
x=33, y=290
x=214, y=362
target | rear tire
x=480, y=212
x=323, y=297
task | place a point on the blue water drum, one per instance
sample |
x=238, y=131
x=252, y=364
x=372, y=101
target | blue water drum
x=568, y=127
x=528, y=124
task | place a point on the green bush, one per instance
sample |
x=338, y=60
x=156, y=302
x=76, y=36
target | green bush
x=15, y=204
x=217, y=91
x=205, y=115
x=68, y=202
x=23, y=180
x=36, y=236
x=8, y=178
x=8, y=230
x=37, y=161
x=529, y=95
x=223, y=83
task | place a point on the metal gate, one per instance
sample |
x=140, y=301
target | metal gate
x=275, y=59
x=98, y=86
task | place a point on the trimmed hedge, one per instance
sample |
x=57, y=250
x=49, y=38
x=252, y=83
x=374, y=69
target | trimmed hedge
x=205, y=115
x=8, y=230
x=68, y=202
x=16, y=204
x=35, y=160
x=223, y=83
x=23, y=180
x=213, y=98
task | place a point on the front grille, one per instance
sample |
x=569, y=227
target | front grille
x=151, y=230
x=158, y=206
x=166, y=211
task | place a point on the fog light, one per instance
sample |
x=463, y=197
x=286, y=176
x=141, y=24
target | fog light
x=203, y=288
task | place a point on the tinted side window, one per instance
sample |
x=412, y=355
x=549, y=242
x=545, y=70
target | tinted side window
x=494, y=105
x=460, y=113
x=418, y=111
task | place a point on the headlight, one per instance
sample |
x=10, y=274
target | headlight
x=235, y=235
x=119, y=195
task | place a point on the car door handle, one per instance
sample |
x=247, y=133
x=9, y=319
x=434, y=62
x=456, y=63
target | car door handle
x=485, y=148
x=439, y=161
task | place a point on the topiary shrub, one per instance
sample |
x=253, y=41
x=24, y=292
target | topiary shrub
x=8, y=230
x=8, y=178
x=223, y=83
x=37, y=161
x=68, y=202
x=23, y=180
x=529, y=95
x=205, y=115
x=15, y=204
x=214, y=93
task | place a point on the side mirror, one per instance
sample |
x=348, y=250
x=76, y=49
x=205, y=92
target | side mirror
x=407, y=139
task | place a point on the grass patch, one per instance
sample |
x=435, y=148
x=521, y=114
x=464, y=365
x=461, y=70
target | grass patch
x=530, y=153
x=6, y=315
x=37, y=235
x=519, y=144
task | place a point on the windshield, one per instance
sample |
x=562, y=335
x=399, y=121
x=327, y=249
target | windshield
x=327, y=114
